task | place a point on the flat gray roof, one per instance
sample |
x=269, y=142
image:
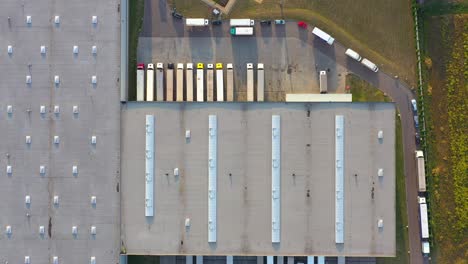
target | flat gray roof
x=99, y=115
x=244, y=179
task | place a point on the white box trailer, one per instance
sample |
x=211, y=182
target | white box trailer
x=354, y=55
x=323, y=82
x=250, y=82
x=170, y=82
x=209, y=83
x=159, y=81
x=140, y=89
x=369, y=64
x=180, y=83
x=200, y=82
x=196, y=22
x=189, y=81
x=260, y=82
x=229, y=83
x=421, y=171
x=323, y=35
x=424, y=221
x=150, y=82
x=242, y=31
x=219, y=82
x=239, y=22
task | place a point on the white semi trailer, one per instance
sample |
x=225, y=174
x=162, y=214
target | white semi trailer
x=323, y=82
x=140, y=89
x=209, y=83
x=250, y=82
x=159, y=81
x=170, y=82
x=219, y=82
x=241, y=22
x=197, y=22
x=189, y=81
x=150, y=82
x=180, y=82
x=229, y=83
x=200, y=82
x=260, y=82
x=242, y=31
x=421, y=171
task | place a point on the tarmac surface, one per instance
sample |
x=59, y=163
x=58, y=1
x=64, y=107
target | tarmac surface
x=158, y=22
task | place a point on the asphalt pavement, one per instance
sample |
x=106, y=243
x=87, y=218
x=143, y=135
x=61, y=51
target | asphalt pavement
x=158, y=22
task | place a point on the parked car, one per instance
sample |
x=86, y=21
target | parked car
x=265, y=22
x=216, y=22
x=280, y=22
x=176, y=15
x=414, y=106
x=416, y=121
x=417, y=138
x=302, y=24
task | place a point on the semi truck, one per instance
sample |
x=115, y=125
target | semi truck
x=140, y=82
x=241, y=22
x=370, y=65
x=180, y=83
x=229, y=82
x=196, y=22
x=200, y=82
x=170, y=82
x=323, y=35
x=250, y=82
x=209, y=83
x=189, y=81
x=260, y=82
x=354, y=55
x=219, y=82
x=323, y=82
x=424, y=225
x=159, y=81
x=242, y=31
x=421, y=171
x=150, y=82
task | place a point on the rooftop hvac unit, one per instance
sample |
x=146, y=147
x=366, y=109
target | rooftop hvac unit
x=380, y=172
x=92, y=260
x=187, y=134
x=93, y=230
x=28, y=20
x=94, y=79
x=43, y=50
x=56, y=199
x=74, y=230
x=27, y=260
x=56, y=109
x=28, y=79
x=176, y=172
x=93, y=200
x=380, y=134
x=42, y=169
x=94, y=20
x=10, y=109
x=56, y=139
x=93, y=140
x=27, y=200
x=380, y=223
x=10, y=49
x=75, y=50
x=57, y=79
x=8, y=230
x=187, y=222
x=75, y=109
x=41, y=230
x=9, y=169
x=75, y=170
x=57, y=20
x=94, y=50
x=28, y=139
x=55, y=260
x=42, y=109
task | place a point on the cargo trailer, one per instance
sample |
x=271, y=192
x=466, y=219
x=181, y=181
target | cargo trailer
x=370, y=65
x=260, y=82
x=421, y=171
x=196, y=22
x=352, y=54
x=140, y=92
x=323, y=82
x=219, y=82
x=229, y=82
x=323, y=35
x=150, y=82
x=250, y=82
x=180, y=83
x=189, y=82
x=200, y=82
x=209, y=83
x=241, y=22
x=170, y=82
x=242, y=31
x=159, y=81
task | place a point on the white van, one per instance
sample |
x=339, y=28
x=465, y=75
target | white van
x=351, y=53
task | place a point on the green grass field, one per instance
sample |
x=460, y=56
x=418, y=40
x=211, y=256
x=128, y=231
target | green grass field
x=135, y=13
x=364, y=92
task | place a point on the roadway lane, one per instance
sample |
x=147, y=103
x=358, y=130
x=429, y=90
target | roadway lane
x=158, y=22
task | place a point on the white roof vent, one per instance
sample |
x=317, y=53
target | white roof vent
x=75, y=170
x=56, y=199
x=176, y=172
x=10, y=109
x=74, y=230
x=380, y=172
x=93, y=230
x=94, y=50
x=56, y=139
x=42, y=109
x=56, y=79
x=380, y=223
x=187, y=134
x=28, y=79
x=10, y=49
x=75, y=109
x=56, y=109
x=27, y=260
x=41, y=230
x=8, y=230
x=28, y=139
x=75, y=49
x=27, y=200
x=380, y=134
x=93, y=140
x=55, y=260
x=42, y=169
x=9, y=170
x=43, y=50
x=28, y=19
x=94, y=20
x=94, y=79
x=93, y=200
x=57, y=20
x=92, y=260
